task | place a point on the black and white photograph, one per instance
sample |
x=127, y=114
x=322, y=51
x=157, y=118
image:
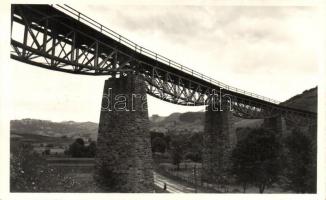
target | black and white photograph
x=208, y=97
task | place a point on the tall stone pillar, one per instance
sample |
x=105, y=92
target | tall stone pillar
x=219, y=139
x=123, y=157
x=276, y=124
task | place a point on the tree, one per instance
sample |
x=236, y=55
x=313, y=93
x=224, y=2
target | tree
x=177, y=150
x=176, y=157
x=77, y=149
x=193, y=156
x=300, y=170
x=156, y=134
x=256, y=159
x=91, y=150
x=167, y=139
x=195, y=147
x=49, y=145
x=158, y=145
x=47, y=152
x=242, y=167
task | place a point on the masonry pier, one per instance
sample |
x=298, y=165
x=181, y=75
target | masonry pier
x=124, y=159
x=219, y=139
x=276, y=124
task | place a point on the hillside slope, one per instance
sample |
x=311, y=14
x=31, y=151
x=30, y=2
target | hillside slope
x=69, y=129
x=183, y=123
x=307, y=100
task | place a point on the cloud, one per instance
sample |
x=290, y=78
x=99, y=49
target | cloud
x=225, y=40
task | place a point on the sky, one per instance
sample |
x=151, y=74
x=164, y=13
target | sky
x=268, y=50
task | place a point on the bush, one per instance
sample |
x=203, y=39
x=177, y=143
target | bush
x=29, y=172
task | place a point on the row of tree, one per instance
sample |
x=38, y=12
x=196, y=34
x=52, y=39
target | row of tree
x=178, y=146
x=78, y=149
x=260, y=159
x=264, y=158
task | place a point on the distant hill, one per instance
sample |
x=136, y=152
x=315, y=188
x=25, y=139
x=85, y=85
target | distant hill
x=180, y=123
x=34, y=138
x=68, y=129
x=194, y=121
x=183, y=123
x=307, y=100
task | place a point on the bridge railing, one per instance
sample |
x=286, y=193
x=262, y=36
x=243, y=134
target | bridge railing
x=119, y=38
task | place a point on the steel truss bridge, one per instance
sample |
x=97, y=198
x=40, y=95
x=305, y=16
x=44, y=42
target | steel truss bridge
x=58, y=37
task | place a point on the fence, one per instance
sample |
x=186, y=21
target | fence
x=192, y=176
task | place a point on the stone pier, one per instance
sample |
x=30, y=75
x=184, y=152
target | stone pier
x=276, y=124
x=123, y=157
x=219, y=139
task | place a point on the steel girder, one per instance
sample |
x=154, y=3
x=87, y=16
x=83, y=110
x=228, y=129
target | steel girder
x=46, y=47
x=48, y=41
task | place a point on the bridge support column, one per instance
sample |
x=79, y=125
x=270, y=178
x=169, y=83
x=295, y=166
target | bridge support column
x=219, y=139
x=123, y=157
x=276, y=124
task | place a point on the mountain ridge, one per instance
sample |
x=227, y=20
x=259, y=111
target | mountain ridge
x=181, y=123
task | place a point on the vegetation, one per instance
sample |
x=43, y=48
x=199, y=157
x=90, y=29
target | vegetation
x=158, y=145
x=307, y=100
x=160, y=142
x=78, y=149
x=300, y=171
x=191, y=117
x=179, y=146
x=28, y=171
x=256, y=159
x=177, y=151
x=194, y=147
